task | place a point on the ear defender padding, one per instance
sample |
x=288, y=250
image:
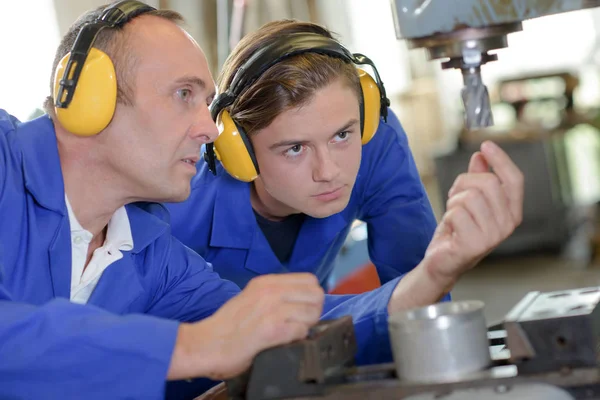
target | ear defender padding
x=371, y=104
x=95, y=97
x=234, y=150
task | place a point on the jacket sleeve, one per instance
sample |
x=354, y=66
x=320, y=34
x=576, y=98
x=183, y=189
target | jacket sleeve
x=395, y=206
x=66, y=350
x=188, y=289
x=4, y=149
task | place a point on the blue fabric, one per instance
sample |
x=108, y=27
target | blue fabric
x=218, y=223
x=120, y=344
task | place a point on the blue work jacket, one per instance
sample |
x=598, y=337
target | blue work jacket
x=119, y=345
x=217, y=220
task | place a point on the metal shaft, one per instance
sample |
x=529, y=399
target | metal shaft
x=476, y=99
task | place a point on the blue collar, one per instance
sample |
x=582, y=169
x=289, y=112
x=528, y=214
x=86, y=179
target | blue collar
x=41, y=166
x=44, y=180
x=233, y=224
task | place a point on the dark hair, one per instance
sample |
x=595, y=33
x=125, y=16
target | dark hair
x=112, y=41
x=289, y=83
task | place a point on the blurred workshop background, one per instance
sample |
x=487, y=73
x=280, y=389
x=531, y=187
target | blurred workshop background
x=545, y=98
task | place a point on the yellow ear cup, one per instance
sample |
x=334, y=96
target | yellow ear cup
x=372, y=105
x=232, y=151
x=95, y=97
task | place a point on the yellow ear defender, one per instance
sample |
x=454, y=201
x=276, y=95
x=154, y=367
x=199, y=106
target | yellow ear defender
x=85, y=82
x=233, y=147
x=234, y=150
x=94, y=101
x=371, y=106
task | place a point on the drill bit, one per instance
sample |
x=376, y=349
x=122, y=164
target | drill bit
x=476, y=99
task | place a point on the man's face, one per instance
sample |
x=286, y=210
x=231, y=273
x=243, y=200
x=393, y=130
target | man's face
x=154, y=144
x=309, y=156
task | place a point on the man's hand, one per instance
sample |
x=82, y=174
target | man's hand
x=483, y=209
x=271, y=310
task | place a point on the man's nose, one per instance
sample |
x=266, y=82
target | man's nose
x=326, y=168
x=204, y=128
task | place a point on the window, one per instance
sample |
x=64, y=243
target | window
x=29, y=39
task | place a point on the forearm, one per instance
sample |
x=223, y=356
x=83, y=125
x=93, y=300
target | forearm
x=194, y=354
x=205, y=349
x=181, y=366
x=419, y=288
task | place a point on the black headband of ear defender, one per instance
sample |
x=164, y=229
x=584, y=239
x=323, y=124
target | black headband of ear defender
x=281, y=48
x=114, y=15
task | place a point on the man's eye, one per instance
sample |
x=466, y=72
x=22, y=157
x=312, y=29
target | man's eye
x=184, y=94
x=294, y=151
x=341, y=136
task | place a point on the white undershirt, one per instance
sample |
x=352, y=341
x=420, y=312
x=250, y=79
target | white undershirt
x=118, y=237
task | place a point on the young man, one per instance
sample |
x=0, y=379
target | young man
x=295, y=97
x=97, y=299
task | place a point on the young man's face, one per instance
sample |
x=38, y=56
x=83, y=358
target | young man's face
x=156, y=141
x=309, y=156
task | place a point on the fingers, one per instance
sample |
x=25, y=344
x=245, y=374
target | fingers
x=298, y=312
x=509, y=179
x=291, y=278
x=288, y=332
x=292, y=288
x=484, y=207
x=502, y=164
x=510, y=176
x=290, y=322
x=475, y=203
x=489, y=186
x=309, y=294
x=478, y=164
x=463, y=227
x=270, y=311
x=287, y=298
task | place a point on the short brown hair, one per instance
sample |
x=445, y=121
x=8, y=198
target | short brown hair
x=114, y=43
x=288, y=84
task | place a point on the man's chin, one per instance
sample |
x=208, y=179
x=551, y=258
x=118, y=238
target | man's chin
x=176, y=196
x=328, y=209
x=181, y=196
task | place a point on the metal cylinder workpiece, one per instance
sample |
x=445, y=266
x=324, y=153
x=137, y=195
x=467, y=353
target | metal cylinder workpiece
x=440, y=342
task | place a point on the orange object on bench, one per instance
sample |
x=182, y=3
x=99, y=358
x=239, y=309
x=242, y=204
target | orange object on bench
x=362, y=280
